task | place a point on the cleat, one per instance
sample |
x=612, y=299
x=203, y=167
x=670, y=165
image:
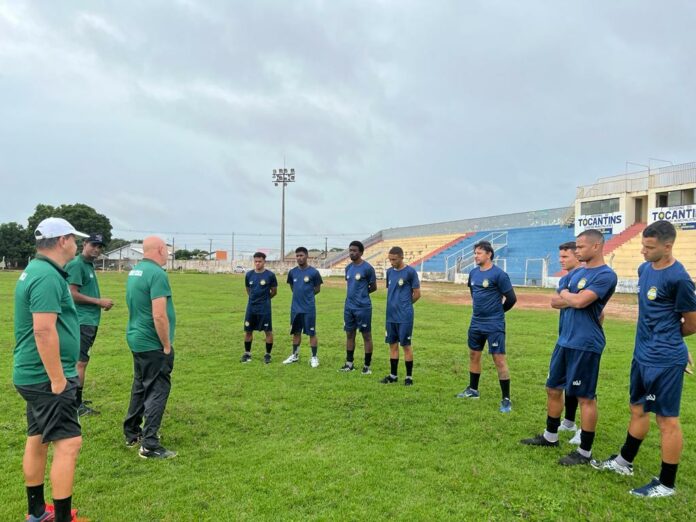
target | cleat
x=246, y=357
x=48, y=516
x=505, y=406
x=292, y=359
x=563, y=427
x=539, y=440
x=267, y=358
x=408, y=381
x=134, y=443
x=652, y=490
x=469, y=393
x=576, y=438
x=389, y=380
x=314, y=362
x=347, y=367
x=84, y=410
x=156, y=453
x=612, y=465
x=366, y=370
x=573, y=459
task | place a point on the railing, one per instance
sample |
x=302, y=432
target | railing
x=463, y=260
x=640, y=181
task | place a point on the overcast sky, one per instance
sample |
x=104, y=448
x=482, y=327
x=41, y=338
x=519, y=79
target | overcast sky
x=170, y=116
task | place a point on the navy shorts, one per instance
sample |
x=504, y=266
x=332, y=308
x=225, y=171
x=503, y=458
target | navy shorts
x=357, y=319
x=399, y=333
x=574, y=371
x=260, y=322
x=52, y=416
x=88, y=334
x=659, y=390
x=496, y=341
x=303, y=323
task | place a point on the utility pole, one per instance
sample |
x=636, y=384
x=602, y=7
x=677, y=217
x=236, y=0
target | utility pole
x=282, y=177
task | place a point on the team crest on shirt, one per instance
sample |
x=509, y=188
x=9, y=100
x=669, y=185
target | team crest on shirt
x=357, y=277
x=306, y=279
x=485, y=283
x=262, y=282
x=251, y=283
x=582, y=283
x=652, y=293
x=401, y=282
x=246, y=323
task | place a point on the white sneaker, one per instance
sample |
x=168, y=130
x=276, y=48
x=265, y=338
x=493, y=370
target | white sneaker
x=314, y=362
x=612, y=465
x=576, y=438
x=292, y=359
x=563, y=427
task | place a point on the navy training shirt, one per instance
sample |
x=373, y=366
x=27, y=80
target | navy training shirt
x=400, y=285
x=580, y=328
x=487, y=290
x=259, y=285
x=358, y=280
x=663, y=295
x=563, y=284
x=302, y=283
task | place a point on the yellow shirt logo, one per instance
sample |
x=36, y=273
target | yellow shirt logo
x=485, y=283
x=401, y=282
x=582, y=283
x=652, y=293
x=262, y=282
x=306, y=279
x=357, y=277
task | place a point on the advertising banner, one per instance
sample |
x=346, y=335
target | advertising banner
x=681, y=217
x=613, y=223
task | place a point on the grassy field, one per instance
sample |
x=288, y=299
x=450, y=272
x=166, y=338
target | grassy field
x=260, y=442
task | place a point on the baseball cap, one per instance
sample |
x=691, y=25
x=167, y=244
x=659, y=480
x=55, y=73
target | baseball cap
x=55, y=227
x=97, y=239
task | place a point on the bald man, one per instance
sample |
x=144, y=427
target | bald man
x=150, y=334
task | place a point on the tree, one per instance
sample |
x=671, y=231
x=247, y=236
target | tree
x=183, y=254
x=115, y=243
x=15, y=245
x=83, y=217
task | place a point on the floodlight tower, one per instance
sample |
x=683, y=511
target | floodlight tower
x=282, y=177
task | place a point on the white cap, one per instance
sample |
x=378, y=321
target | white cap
x=56, y=227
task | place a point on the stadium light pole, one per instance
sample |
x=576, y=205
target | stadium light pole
x=282, y=177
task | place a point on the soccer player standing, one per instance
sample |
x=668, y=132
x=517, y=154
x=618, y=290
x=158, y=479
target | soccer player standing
x=361, y=281
x=574, y=366
x=403, y=289
x=666, y=314
x=492, y=295
x=305, y=282
x=261, y=286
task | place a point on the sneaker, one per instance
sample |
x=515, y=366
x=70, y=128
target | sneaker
x=612, y=465
x=314, y=362
x=539, y=440
x=347, y=367
x=563, y=427
x=654, y=489
x=83, y=410
x=366, y=370
x=469, y=393
x=292, y=359
x=505, y=406
x=156, y=453
x=267, y=358
x=573, y=459
x=576, y=438
x=48, y=516
x=134, y=443
x=408, y=381
x=389, y=380
x=246, y=357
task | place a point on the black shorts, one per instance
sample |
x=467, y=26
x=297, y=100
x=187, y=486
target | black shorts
x=54, y=417
x=88, y=334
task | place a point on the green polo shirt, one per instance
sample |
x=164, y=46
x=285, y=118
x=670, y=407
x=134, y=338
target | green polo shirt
x=81, y=273
x=147, y=281
x=42, y=288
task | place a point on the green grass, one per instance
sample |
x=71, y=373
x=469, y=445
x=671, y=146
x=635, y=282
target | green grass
x=260, y=442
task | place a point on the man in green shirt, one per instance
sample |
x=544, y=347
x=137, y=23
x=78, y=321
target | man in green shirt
x=84, y=288
x=47, y=336
x=150, y=334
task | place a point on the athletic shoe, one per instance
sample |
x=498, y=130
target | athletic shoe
x=48, y=516
x=408, y=381
x=314, y=362
x=347, y=367
x=246, y=357
x=389, y=380
x=469, y=393
x=539, y=440
x=292, y=359
x=563, y=427
x=156, y=453
x=366, y=370
x=574, y=459
x=576, y=438
x=134, y=443
x=654, y=489
x=267, y=358
x=505, y=406
x=84, y=410
x=612, y=465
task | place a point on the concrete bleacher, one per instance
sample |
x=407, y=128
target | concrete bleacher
x=626, y=259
